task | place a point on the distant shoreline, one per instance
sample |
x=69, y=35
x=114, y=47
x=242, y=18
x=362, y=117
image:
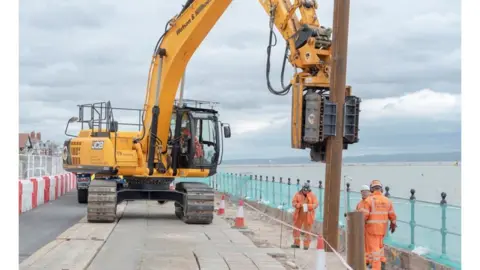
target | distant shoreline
x=432, y=163
x=413, y=159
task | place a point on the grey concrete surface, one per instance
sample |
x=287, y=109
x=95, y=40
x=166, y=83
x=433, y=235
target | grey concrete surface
x=43, y=224
x=149, y=236
x=73, y=249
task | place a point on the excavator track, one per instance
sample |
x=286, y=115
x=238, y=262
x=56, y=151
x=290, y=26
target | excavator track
x=102, y=201
x=198, y=205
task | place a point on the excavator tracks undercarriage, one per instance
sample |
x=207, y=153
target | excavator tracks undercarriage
x=102, y=201
x=197, y=206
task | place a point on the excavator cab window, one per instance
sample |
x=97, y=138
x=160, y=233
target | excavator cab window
x=196, y=138
x=205, y=141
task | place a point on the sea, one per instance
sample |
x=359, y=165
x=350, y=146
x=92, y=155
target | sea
x=428, y=179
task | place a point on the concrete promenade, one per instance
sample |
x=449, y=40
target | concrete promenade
x=149, y=236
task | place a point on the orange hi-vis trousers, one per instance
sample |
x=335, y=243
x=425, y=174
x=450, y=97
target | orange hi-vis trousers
x=302, y=223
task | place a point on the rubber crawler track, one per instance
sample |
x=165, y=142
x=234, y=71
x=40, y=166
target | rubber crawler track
x=197, y=208
x=102, y=201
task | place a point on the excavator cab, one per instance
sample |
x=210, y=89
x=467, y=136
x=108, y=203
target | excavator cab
x=196, y=138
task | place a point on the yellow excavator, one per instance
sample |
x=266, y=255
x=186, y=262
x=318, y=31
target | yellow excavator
x=179, y=140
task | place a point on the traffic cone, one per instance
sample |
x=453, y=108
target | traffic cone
x=239, y=220
x=221, y=210
x=321, y=256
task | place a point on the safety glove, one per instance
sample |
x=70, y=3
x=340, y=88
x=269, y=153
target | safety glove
x=393, y=226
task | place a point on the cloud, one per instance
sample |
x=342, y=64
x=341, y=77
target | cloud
x=89, y=51
x=424, y=103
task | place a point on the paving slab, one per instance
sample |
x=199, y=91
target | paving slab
x=73, y=249
x=63, y=254
x=150, y=236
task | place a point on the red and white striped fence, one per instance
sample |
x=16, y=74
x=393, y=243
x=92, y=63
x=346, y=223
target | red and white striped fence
x=40, y=190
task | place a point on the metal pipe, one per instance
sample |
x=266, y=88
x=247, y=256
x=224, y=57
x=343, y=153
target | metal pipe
x=333, y=170
x=356, y=248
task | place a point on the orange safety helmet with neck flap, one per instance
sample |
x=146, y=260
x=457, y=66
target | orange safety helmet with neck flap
x=375, y=183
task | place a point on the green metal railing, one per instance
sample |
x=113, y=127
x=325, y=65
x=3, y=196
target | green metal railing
x=423, y=225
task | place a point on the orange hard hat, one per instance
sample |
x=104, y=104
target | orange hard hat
x=375, y=183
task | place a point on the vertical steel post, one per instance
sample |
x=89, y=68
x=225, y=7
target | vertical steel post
x=443, y=204
x=333, y=169
x=273, y=190
x=412, y=218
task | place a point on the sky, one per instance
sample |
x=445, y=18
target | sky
x=403, y=61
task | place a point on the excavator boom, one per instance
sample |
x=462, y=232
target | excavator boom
x=177, y=140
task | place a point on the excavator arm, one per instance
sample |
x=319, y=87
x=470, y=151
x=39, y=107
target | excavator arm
x=155, y=150
x=308, y=42
x=176, y=140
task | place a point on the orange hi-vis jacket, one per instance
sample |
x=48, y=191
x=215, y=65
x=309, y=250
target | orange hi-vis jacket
x=379, y=211
x=311, y=200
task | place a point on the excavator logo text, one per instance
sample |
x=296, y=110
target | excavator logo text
x=199, y=9
x=97, y=145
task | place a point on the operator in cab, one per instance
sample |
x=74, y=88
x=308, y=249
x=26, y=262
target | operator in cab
x=305, y=203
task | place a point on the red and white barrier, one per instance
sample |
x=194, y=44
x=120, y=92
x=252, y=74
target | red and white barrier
x=40, y=190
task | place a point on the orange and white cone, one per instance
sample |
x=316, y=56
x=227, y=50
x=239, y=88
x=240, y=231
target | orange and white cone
x=321, y=256
x=239, y=220
x=221, y=210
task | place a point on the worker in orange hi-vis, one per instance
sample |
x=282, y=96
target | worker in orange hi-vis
x=380, y=210
x=305, y=203
x=362, y=206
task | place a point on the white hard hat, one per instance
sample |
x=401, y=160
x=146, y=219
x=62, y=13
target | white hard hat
x=365, y=187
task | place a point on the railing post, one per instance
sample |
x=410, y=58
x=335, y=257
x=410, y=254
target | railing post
x=256, y=187
x=222, y=182
x=273, y=190
x=443, y=203
x=267, y=196
x=387, y=194
x=288, y=190
x=320, y=199
x=251, y=186
x=29, y=162
x=226, y=182
x=261, y=188
x=348, y=198
x=241, y=184
x=412, y=218
x=237, y=183
x=281, y=193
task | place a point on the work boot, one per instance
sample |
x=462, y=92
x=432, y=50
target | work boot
x=295, y=246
